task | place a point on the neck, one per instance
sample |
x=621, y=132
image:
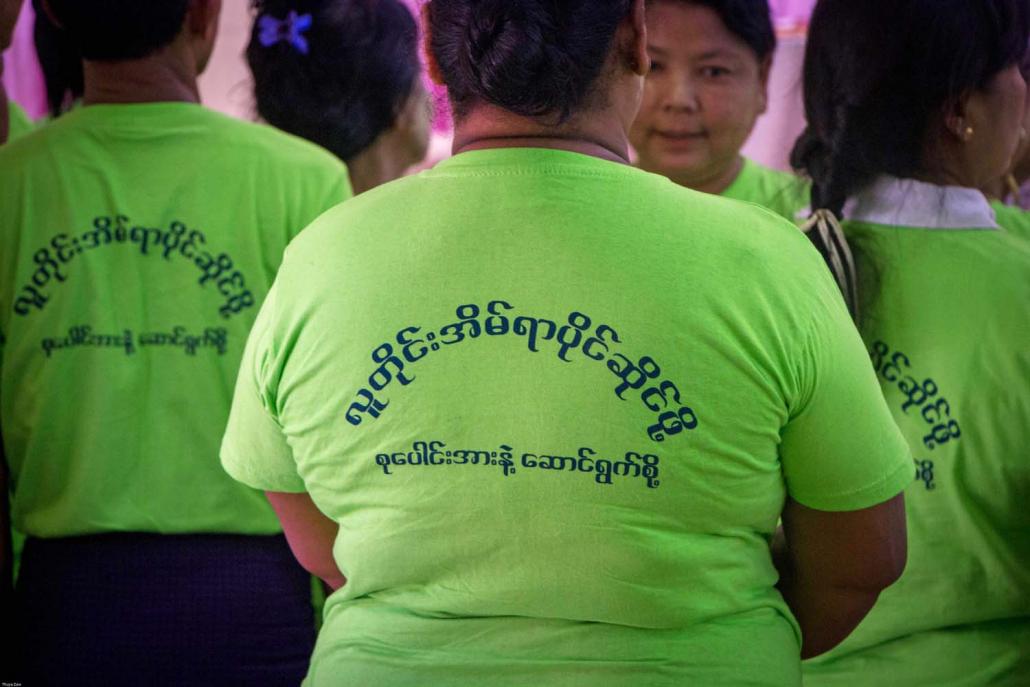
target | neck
x=997, y=190
x=152, y=79
x=944, y=164
x=601, y=134
x=945, y=177
x=376, y=165
x=715, y=183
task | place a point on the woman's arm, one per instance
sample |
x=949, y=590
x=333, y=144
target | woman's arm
x=311, y=535
x=833, y=567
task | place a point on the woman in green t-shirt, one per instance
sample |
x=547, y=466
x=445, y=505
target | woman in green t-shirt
x=346, y=75
x=145, y=563
x=913, y=106
x=708, y=84
x=535, y=413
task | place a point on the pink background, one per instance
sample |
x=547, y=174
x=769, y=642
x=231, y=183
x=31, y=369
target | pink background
x=226, y=86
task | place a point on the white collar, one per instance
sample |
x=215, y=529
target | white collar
x=910, y=203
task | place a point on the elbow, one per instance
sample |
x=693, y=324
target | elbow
x=886, y=569
x=894, y=568
x=876, y=574
x=325, y=570
x=334, y=579
x=883, y=563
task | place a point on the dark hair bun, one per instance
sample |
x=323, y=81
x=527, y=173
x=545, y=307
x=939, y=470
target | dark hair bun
x=532, y=57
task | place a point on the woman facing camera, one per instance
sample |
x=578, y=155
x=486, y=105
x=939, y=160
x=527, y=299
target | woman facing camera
x=535, y=434
x=913, y=105
x=710, y=64
x=344, y=74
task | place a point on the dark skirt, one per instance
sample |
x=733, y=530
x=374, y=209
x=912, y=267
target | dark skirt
x=144, y=609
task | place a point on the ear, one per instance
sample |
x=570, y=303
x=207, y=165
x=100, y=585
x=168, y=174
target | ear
x=202, y=19
x=956, y=119
x=764, y=70
x=634, y=39
x=432, y=66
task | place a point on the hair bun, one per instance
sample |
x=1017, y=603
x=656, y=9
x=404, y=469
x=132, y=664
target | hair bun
x=532, y=57
x=508, y=53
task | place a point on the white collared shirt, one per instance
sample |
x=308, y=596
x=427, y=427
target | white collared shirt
x=910, y=203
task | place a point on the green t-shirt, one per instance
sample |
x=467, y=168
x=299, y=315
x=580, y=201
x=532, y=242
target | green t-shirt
x=18, y=123
x=947, y=325
x=136, y=245
x=1012, y=219
x=557, y=428
x=785, y=194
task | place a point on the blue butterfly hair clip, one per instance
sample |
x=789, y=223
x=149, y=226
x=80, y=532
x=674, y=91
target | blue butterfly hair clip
x=288, y=30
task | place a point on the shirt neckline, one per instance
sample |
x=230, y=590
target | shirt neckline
x=891, y=201
x=527, y=156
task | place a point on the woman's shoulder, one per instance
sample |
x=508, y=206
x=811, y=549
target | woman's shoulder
x=1013, y=219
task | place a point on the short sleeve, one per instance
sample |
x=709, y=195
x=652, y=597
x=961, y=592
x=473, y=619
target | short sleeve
x=255, y=450
x=841, y=449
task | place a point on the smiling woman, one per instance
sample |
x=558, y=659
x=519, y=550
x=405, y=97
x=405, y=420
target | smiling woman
x=708, y=85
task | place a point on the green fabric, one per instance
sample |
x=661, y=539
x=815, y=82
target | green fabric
x=136, y=244
x=615, y=383
x=1012, y=219
x=785, y=194
x=18, y=123
x=948, y=321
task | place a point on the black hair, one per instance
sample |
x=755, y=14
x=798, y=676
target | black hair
x=118, y=30
x=878, y=76
x=748, y=20
x=532, y=57
x=60, y=60
x=879, y=73
x=358, y=68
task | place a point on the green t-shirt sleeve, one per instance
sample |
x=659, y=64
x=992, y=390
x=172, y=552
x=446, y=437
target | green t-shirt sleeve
x=255, y=450
x=841, y=449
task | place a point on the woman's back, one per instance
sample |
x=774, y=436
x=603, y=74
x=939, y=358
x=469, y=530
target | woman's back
x=947, y=318
x=553, y=426
x=913, y=106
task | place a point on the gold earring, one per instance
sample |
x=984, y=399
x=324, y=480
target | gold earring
x=967, y=133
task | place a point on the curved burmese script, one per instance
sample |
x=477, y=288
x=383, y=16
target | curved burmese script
x=536, y=429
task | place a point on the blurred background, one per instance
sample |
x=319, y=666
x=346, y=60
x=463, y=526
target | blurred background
x=225, y=86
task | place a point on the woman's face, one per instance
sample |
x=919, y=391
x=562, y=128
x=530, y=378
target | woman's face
x=996, y=116
x=705, y=90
